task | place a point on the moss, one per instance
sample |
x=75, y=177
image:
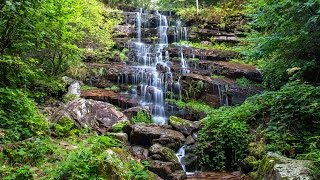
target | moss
x=120, y=126
x=178, y=121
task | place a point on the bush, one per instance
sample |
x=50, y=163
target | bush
x=289, y=118
x=142, y=117
x=222, y=141
x=19, y=116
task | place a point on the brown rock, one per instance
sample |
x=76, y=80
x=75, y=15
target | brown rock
x=145, y=134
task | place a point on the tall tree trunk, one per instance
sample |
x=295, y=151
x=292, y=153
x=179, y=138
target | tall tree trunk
x=197, y=2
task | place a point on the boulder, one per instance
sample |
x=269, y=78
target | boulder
x=139, y=152
x=145, y=135
x=74, y=89
x=116, y=164
x=184, y=126
x=167, y=154
x=190, y=140
x=164, y=169
x=90, y=114
x=286, y=168
x=177, y=175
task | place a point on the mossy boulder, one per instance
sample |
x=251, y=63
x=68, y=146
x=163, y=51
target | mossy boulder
x=120, y=165
x=184, y=126
x=167, y=154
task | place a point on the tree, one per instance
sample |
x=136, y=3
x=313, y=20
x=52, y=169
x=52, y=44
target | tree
x=285, y=33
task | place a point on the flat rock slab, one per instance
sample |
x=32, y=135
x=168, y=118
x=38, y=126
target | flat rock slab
x=121, y=100
x=146, y=134
x=217, y=176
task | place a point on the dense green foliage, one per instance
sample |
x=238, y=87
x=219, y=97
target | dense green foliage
x=86, y=159
x=289, y=119
x=142, y=117
x=286, y=35
x=19, y=117
x=222, y=142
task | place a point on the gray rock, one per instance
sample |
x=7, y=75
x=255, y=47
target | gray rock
x=90, y=114
x=189, y=140
x=167, y=154
x=139, y=152
x=290, y=169
x=164, y=169
x=145, y=134
x=184, y=126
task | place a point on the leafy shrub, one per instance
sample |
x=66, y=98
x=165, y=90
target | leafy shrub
x=64, y=127
x=193, y=106
x=19, y=116
x=222, y=141
x=23, y=172
x=24, y=73
x=244, y=82
x=119, y=127
x=142, y=117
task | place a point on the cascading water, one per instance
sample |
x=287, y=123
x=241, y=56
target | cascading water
x=150, y=72
x=150, y=67
x=223, y=94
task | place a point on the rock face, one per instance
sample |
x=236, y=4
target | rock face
x=139, y=152
x=121, y=100
x=165, y=169
x=147, y=135
x=290, y=169
x=167, y=154
x=184, y=126
x=90, y=113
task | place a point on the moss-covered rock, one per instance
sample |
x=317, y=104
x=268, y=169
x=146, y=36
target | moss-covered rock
x=120, y=165
x=167, y=154
x=184, y=126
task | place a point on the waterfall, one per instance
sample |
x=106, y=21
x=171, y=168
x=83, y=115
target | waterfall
x=184, y=64
x=223, y=94
x=180, y=154
x=150, y=71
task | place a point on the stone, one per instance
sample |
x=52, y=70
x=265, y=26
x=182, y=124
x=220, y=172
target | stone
x=167, y=142
x=177, y=175
x=184, y=126
x=131, y=112
x=88, y=113
x=145, y=134
x=286, y=168
x=164, y=169
x=74, y=89
x=190, y=140
x=167, y=154
x=123, y=137
x=118, y=99
x=139, y=152
x=116, y=163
